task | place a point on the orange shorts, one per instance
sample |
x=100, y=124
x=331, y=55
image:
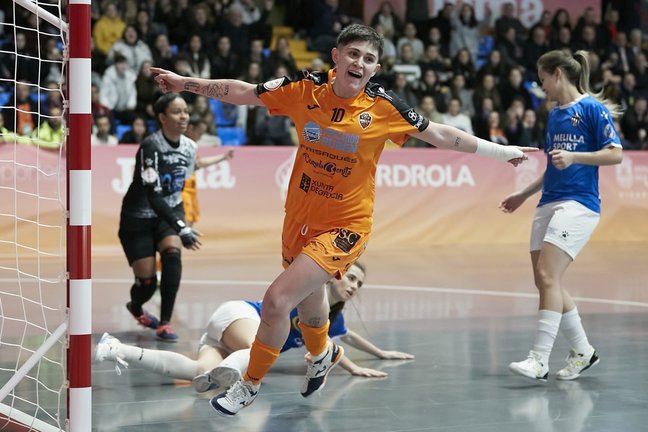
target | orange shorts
x=335, y=250
x=190, y=204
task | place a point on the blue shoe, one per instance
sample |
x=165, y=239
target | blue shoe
x=165, y=333
x=145, y=319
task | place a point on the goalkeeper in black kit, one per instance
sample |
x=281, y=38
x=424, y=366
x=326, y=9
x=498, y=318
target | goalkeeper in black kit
x=152, y=217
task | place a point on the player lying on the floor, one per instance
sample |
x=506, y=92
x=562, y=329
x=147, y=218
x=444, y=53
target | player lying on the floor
x=225, y=346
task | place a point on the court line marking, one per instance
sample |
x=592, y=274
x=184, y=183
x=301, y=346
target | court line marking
x=438, y=290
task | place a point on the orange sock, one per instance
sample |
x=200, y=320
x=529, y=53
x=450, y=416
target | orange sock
x=315, y=338
x=262, y=357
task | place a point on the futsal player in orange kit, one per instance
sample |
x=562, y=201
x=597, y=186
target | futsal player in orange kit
x=343, y=121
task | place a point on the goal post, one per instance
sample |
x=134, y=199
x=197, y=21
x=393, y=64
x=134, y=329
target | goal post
x=45, y=218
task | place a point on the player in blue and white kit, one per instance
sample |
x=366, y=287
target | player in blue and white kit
x=580, y=137
x=224, y=351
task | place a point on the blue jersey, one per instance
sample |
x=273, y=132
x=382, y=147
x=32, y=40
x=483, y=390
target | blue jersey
x=584, y=125
x=295, y=340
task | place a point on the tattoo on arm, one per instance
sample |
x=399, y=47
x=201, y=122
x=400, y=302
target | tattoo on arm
x=192, y=86
x=315, y=322
x=216, y=90
x=457, y=142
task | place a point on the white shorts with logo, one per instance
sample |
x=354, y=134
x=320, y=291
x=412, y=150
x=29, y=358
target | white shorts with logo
x=565, y=224
x=222, y=317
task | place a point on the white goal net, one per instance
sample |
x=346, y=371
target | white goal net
x=33, y=318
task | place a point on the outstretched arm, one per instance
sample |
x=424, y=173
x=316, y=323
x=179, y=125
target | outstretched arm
x=451, y=138
x=515, y=200
x=204, y=162
x=358, y=342
x=228, y=90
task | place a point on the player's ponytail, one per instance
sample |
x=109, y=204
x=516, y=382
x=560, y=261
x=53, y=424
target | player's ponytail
x=577, y=70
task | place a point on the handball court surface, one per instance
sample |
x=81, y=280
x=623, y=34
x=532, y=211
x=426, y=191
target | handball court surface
x=465, y=312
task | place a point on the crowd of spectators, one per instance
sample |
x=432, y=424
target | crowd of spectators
x=477, y=75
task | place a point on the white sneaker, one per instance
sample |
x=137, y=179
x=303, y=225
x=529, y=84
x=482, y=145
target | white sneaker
x=319, y=369
x=532, y=367
x=241, y=394
x=108, y=349
x=577, y=363
x=221, y=377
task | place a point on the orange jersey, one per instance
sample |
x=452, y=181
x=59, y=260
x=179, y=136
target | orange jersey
x=340, y=141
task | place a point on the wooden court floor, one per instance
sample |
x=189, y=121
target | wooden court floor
x=465, y=312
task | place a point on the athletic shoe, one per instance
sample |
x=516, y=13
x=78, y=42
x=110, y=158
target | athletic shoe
x=318, y=370
x=577, y=363
x=532, y=367
x=241, y=394
x=221, y=377
x=145, y=319
x=108, y=349
x=165, y=333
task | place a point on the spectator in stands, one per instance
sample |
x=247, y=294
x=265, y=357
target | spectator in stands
x=432, y=59
x=495, y=130
x=429, y=85
x=443, y=22
x=237, y=32
x=561, y=19
x=587, y=40
x=629, y=91
x=506, y=21
x=204, y=27
x=454, y=117
x=280, y=56
x=588, y=18
x=118, y=90
x=510, y=48
x=466, y=31
x=256, y=56
x=198, y=131
x=253, y=74
x=533, y=49
x=459, y=91
x=621, y=55
x=162, y=53
x=50, y=133
x=409, y=36
x=563, y=40
x=24, y=66
x=147, y=92
x=406, y=56
x=201, y=109
x=95, y=104
x=640, y=70
x=608, y=29
x=545, y=23
x=108, y=29
x=389, y=48
x=530, y=134
x=135, y=50
x=147, y=29
x=634, y=125
x=403, y=90
x=486, y=89
x=225, y=62
x=327, y=24
x=462, y=65
x=391, y=24
x=494, y=66
x=179, y=18
x=512, y=123
x=434, y=38
x=22, y=116
x=255, y=18
x=197, y=59
x=52, y=64
x=635, y=42
x=480, y=119
x=102, y=135
x=137, y=133
x=513, y=88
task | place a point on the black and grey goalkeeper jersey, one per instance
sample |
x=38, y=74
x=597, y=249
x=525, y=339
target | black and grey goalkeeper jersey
x=160, y=169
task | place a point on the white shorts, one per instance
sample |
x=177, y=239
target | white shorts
x=565, y=224
x=222, y=317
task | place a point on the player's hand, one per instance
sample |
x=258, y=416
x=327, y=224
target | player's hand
x=395, y=355
x=517, y=161
x=189, y=237
x=168, y=81
x=368, y=373
x=561, y=159
x=511, y=203
x=229, y=154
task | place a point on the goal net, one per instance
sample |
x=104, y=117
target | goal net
x=36, y=318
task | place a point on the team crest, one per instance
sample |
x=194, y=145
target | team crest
x=575, y=120
x=365, y=120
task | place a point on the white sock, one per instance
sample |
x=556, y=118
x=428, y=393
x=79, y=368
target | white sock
x=237, y=360
x=548, y=325
x=167, y=363
x=573, y=330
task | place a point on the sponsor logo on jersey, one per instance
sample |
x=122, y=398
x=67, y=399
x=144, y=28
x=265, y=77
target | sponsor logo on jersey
x=365, y=120
x=575, y=119
x=342, y=141
x=319, y=188
x=346, y=240
x=149, y=176
x=328, y=168
x=273, y=84
x=329, y=155
x=312, y=132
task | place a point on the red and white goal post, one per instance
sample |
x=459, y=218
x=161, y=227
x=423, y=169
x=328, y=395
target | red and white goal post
x=45, y=217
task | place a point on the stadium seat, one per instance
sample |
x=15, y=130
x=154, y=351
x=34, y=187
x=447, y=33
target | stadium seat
x=222, y=117
x=232, y=136
x=121, y=130
x=4, y=99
